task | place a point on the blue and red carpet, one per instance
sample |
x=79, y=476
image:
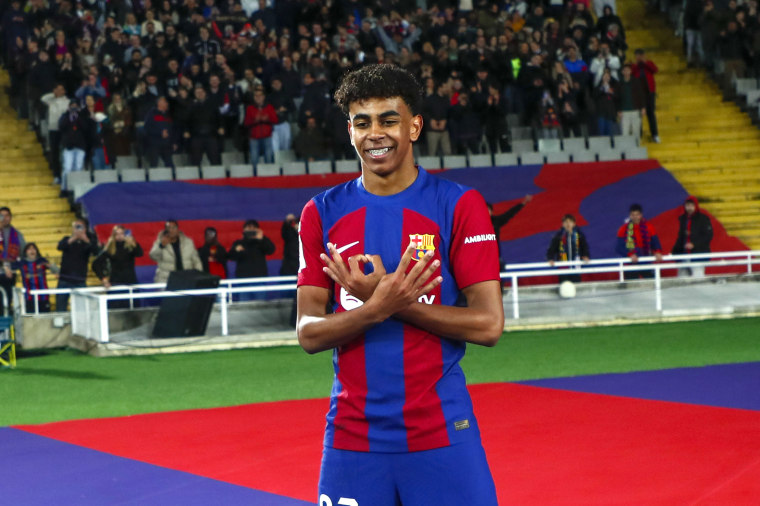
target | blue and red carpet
x=678, y=436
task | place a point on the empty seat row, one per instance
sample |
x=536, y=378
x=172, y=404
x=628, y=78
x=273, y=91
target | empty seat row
x=531, y=158
x=575, y=144
x=82, y=181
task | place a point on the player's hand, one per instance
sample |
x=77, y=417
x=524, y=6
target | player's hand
x=551, y=263
x=634, y=259
x=397, y=291
x=351, y=277
x=658, y=257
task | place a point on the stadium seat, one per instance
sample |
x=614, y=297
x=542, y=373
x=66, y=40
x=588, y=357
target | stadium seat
x=430, y=162
x=599, y=143
x=242, y=170
x=549, y=146
x=638, y=153
x=293, y=168
x=78, y=177
x=266, y=169
x=482, y=160
x=531, y=158
x=133, y=175
x=505, y=160
x=319, y=167
x=232, y=158
x=521, y=132
x=105, y=176
x=609, y=155
x=346, y=166
x=561, y=157
x=574, y=144
x=455, y=161
x=160, y=174
x=188, y=172
x=584, y=156
x=127, y=162
x=523, y=146
x=216, y=172
x=282, y=156
x=80, y=189
x=180, y=159
x=623, y=142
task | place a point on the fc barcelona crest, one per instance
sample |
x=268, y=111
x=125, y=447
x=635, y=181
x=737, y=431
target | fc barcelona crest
x=422, y=244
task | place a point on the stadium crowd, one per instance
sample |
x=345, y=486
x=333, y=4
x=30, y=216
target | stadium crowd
x=100, y=80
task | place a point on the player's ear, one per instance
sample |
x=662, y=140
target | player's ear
x=415, y=127
x=350, y=131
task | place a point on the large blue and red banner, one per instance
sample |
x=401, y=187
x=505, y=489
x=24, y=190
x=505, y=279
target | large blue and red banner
x=598, y=194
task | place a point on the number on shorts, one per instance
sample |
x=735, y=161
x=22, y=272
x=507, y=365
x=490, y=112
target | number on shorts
x=343, y=501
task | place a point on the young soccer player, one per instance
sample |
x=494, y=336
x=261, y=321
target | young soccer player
x=408, y=263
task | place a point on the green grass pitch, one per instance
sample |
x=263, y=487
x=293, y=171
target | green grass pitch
x=64, y=384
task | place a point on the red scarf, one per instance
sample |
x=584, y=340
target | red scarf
x=13, y=250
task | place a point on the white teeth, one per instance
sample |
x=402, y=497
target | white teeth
x=379, y=152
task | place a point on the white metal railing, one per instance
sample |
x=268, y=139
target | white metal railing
x=516, y=272
x=99, y=297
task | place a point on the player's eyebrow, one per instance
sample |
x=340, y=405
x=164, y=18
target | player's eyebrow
x=382, y=115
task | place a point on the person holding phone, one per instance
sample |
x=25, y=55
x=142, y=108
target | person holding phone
x=173, y=251
x=76, y=249
x=250, y=253
x=116, y=263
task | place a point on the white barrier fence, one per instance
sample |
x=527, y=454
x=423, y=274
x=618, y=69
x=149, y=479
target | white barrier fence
x=89, y=306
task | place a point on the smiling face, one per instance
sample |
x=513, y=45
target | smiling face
x=382, y=131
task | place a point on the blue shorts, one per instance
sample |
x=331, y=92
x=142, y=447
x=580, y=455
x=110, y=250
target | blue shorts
x=453, y=475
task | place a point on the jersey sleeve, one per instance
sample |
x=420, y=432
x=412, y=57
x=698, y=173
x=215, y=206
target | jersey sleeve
x=310, y=246
x=474, y=253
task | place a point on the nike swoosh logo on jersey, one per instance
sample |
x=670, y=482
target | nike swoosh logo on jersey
x=344, y=248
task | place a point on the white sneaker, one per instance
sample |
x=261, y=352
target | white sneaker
x=56, y=180
x=656, y=139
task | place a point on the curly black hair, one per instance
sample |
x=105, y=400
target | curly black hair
x=379, y=81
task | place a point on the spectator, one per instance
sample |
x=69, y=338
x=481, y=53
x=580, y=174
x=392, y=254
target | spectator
x=644, y=69
x=495, y=120
x=76, y=250
x=203, y=126
x=116, y=263
x=499, y=220
x=605, y=61
x=466, y=126
x=32, y=267
x=289, y=233
x=632, y=103
x=260, y=118
x=173, y=251
x=101, y=152
x=12, y=244
x=692, y=21
x=250, y=254
x=121, y=124
x=57, y=104
x=567, y=245
x=212, y=254
x=436, y=109
x=606, y=100
x=76, y=136
x=569, y=110
x=694, y=235
x=285, y=108
x=638, y=238
x=90, y=88
x=159, y=134
x=310, y=143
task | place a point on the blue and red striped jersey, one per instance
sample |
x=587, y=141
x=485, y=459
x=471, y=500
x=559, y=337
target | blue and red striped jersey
x=398, y=388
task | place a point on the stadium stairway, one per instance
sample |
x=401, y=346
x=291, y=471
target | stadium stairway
x=27, y=184
x=709, y=145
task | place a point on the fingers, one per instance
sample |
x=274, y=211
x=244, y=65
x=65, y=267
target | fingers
x=377, y=264
x=425, y=275
x=430, y=286
x=405, y=259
